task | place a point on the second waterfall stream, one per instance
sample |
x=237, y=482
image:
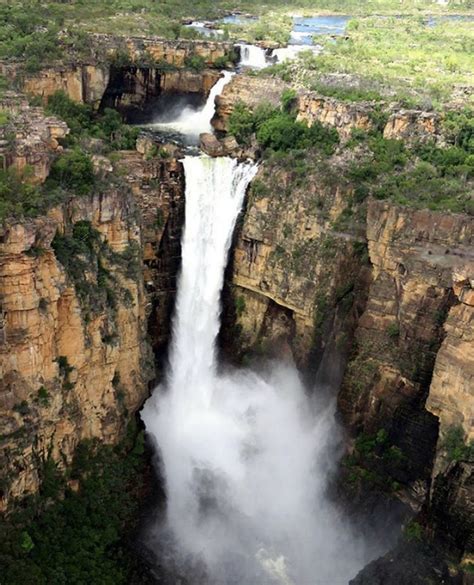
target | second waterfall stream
x=244, y=455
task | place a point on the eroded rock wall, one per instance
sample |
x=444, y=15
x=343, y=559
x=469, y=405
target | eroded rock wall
x=68, y=372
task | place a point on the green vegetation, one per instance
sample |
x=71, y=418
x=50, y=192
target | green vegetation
x=413, y=531
x=85, y=123
x=80, y=536
x=348, y=94
x=456, y=447
x=240, y=305
x=277, y=130
x=88, y=261
x=421, y=176
x=400, y=59
x=374, y=461
x=17, y=197
x=72, y=171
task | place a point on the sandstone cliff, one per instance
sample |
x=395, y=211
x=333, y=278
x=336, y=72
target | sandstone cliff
x=69, y=371
x=83, y=290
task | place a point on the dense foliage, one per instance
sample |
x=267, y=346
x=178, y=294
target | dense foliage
x=422, y=176
x=65, y=536
x=277, y=129
x=85, y=122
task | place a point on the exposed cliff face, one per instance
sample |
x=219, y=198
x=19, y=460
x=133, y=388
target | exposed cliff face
x=249, y=90
x=156, y=65
x=136, y=88
x=69, y=372
x=413, y=255
x=344, y=116
x=82, y=291
x=29, y=139
x=299, y=273
x=158, y=190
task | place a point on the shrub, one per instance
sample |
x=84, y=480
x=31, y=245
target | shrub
x=195, y=62
x=455, y=445
x=281, y=132
x=393, y=330
x=73, y=171
x=241, y=123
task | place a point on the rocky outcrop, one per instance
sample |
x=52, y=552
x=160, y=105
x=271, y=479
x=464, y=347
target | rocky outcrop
x=344, y=116
x=451, y=396
x=82, y=83
x=136, y=88
x=29, y=139
x=389, y=378
x=173, y=53
x=149, y=62
x=252, y=91
x=413, y=125
x=83, y=289
x=157, y=184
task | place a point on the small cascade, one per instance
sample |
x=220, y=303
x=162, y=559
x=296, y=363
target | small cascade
x=253, y=56
x=190, y=122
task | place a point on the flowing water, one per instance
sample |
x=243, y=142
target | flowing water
x=253, y=56
x=245, y=455
x=191, y=122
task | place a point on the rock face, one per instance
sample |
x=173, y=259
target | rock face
x=249, y=90
x=413, y=125
x=68, y=372
x=86, y=294
x=383, y=294
x=165, y=69
x=82, y=83
x=162, y=50
x=29, y=138
x=134, y=88
x=294, y=271
x=389, y=378
x=451, y=396
x=158, y=189
x=344, y=116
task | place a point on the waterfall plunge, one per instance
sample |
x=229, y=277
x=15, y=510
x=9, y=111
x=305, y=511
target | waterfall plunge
x=190, y=122
x=245, y=456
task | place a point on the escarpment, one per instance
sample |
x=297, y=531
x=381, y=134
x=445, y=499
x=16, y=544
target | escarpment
x=126, y=72
x=84, y=288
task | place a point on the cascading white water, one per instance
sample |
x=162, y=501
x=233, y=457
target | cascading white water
x=191, y=122
x=245, y=456
x=253, y=56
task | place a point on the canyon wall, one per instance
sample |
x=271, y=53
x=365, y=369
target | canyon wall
x=382, y=293
x=83, y=291
x=73, y=363
x=151, y=65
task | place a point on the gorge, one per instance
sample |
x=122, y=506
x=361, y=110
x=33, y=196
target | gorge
x=295, y=332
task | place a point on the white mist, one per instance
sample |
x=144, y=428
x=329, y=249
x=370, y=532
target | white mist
x=245, y=456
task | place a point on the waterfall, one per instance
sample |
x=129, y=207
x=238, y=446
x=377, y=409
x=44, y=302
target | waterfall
x=253, y=56
x=245, y=455
x=190, y=122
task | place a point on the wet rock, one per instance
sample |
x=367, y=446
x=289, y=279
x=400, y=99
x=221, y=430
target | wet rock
x=410, y=563
x=211, y=145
